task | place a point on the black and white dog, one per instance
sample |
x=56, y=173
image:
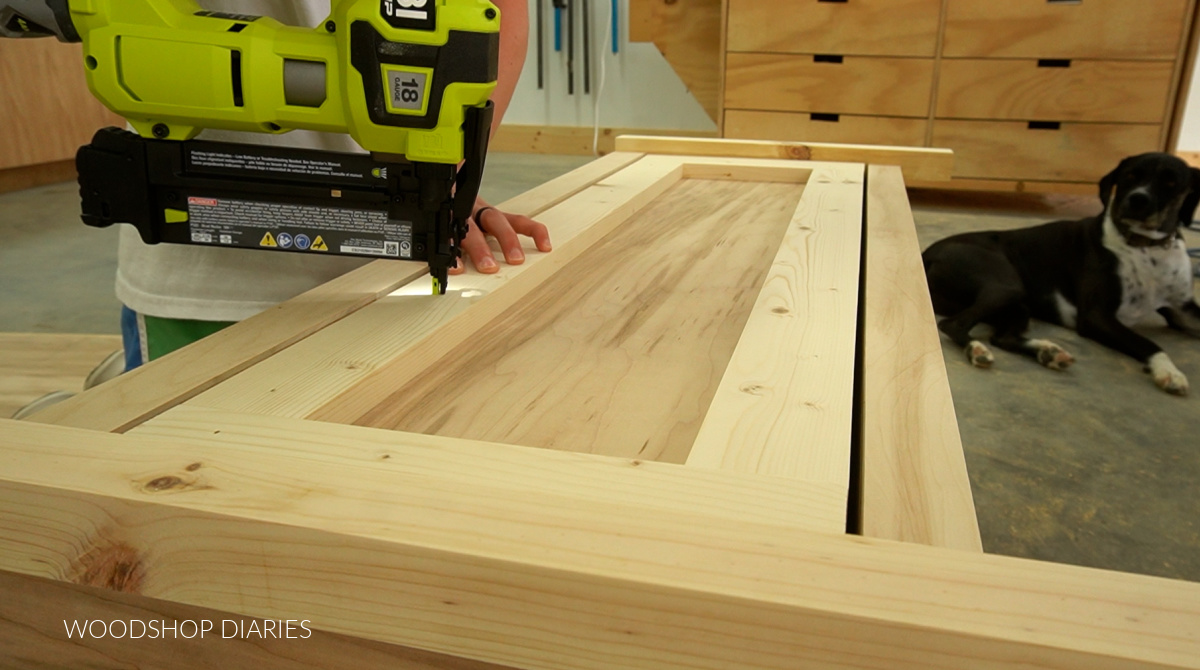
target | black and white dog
x=1100, y=275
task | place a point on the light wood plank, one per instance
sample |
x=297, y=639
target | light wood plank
x=148, y=390
x=572, y=140
x=1115, y=29
x=917, y=163
x=914, y=475
x=344, y=371
x=34, y=364
x=421, y=558
x=620, y=352
x=857, y=85
x=32, y=637
x=887, y=28
x=784, y=405
x=1114, y=91
x=181, y=375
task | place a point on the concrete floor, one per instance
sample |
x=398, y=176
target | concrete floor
x=1094, y=466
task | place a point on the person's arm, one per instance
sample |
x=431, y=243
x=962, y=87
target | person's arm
x=506, y=228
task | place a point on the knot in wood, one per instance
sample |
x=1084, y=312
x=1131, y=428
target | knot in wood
x=163, y=484
x=752, y=389
x=799, y=152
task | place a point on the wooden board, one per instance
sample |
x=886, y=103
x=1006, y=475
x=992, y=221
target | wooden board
x=784, y=405
x=870, y=28
x=914, y=476
x=30, y=176
x=572, y=140
x=47, y=99
x=34, y=364
x=529, y=572
x=857, y=85
x=621, y=351
x=1115, y=91
x=919, y=163
x=172, y=379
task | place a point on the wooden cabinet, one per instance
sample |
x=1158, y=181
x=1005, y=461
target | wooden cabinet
x=1030, y=94
x=46, y=111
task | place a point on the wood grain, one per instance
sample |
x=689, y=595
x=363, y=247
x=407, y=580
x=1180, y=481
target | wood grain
x=914, y=474
x=46, y=110
x=1082, y=152
x=34, y=364
x=345, y=370
x=1116, y=91
x=802, y=127
x=406, y=551
x=1113, y=29
x=783, y=407
x=181, y=375
x=858, y=85
x=861, y=28
x=931, y=164
x=571, y=140
x=688, y=34
x=33, y=637
x=620, y=352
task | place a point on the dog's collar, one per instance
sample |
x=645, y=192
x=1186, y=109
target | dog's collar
x=1143, y=242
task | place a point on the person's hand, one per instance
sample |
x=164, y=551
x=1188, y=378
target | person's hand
x=507, y=229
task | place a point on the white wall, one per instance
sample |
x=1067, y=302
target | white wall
x=641, y=89
x=1189, y=131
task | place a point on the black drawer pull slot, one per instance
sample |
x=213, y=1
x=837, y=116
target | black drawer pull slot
x=831, y=118
x=1045, y=125
x=1064, y=2
x=1054, y=62
x=826, y=58
x=841, y=1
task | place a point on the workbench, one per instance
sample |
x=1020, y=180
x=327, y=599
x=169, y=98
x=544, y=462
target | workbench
x=711, y=429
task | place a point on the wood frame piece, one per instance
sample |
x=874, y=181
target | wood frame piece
x=527, y=558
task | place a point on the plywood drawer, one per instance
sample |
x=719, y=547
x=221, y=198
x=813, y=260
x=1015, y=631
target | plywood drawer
x=860, y=27
x=1012, y=150
x=856, y=85
x=800, y=127
x=1080, y=29
x=1124, y=91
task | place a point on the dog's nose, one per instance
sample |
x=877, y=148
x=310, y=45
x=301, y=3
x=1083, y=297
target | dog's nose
x=1138, y=205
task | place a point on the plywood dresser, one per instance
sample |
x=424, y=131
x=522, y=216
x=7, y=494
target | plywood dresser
x=711, y=429
x=1029, y=94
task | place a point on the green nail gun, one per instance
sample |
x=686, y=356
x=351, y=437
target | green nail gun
x=409, y=80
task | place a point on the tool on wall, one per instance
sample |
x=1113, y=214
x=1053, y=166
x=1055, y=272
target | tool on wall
x=616, y=43
x=570, y=47
x=559, y=6
x=587, y=49
x=541, y=45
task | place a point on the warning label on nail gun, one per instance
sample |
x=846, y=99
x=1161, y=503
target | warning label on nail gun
x=273, y=225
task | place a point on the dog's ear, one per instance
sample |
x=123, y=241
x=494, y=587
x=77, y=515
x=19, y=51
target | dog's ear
x=1188, y=210
x=1110, y=181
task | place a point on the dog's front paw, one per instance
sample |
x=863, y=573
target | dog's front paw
x=979, y=355
x=1051, y=355
x=1166, y=376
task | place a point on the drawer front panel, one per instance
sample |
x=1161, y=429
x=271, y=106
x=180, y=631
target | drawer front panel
x=1119, y=91
x=1088, y=29
x=797, y=127
x=857, y=85
x=1082, y=152
x=860, y=27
